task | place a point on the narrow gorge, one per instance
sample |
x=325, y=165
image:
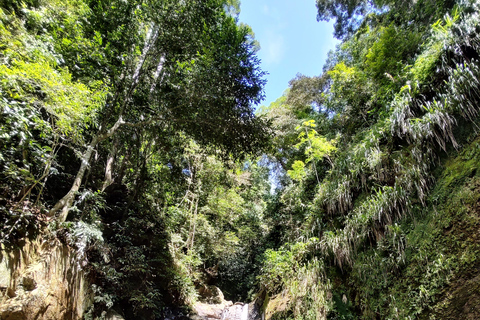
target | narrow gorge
x=141, y=178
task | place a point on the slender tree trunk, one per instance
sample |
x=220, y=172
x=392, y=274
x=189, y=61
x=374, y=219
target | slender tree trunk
x=194, y=221
x=194, y=203
x=158, y=72
x=109, y=166
x=142, y=173
x=65, y=203
x=62, y=207
x=121, y=172
x=313, y=162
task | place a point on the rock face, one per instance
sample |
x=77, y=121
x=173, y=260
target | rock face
x=211, y=305
x=461, y=300
x=43, y=280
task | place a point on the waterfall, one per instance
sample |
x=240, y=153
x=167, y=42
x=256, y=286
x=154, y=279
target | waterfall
x=225, y=314
x=244, y=315
x=236, y=312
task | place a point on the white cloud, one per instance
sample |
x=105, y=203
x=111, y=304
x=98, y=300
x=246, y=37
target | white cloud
x=266, y=9
x=273, y=48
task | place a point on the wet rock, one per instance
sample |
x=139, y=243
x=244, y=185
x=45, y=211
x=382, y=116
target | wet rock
x=238, y=311
x=113, y=315
x=10, y=293
x=211, y=294
x=205, y=311
x=255, y=309
x=175, y=314
x=213, y=306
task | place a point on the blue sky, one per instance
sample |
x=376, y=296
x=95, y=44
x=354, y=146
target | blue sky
x=291, y=40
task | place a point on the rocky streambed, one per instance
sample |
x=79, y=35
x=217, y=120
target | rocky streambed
x=44, y=280
x=213, y=306
x=228, y=311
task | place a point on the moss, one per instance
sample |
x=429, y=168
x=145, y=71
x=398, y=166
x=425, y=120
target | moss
x=426, y=268
x=277, y=306
x=457, y=171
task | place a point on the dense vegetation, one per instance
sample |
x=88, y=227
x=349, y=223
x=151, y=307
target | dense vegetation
x=368, y=196
x=128, y=132
x=123, y=129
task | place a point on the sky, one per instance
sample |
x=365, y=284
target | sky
x=291, y=40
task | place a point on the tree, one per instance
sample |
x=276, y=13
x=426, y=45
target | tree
x=194, y=69
x=316, y=147
x=348, y=14
x=351, y=14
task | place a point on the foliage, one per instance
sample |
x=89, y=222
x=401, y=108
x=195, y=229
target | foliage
x=316, y=147
x=298, y=171
x=298, y=278
x=392, y=98
x=114, y=118
x=133, y=121
x=42, y=106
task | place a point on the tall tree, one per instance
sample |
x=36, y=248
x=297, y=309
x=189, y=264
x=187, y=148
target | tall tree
x=192, y=67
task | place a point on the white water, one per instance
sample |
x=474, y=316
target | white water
x=224, y=314
x=244, y=315
x=236, y=312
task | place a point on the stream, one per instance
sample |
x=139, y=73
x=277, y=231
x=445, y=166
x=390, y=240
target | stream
x=236, y=312
x=213, y=306
x=224, y=311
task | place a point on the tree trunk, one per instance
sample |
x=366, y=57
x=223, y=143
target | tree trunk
x=109, y=166
x=65, y=203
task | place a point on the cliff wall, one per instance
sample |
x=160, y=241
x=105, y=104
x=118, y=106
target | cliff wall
x=42, y=280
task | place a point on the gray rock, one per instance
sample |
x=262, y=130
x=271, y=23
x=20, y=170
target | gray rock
x=113, y=315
